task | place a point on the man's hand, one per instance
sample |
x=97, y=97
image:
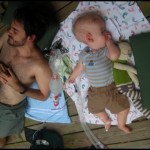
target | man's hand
x=3, y=73
x=7, y=76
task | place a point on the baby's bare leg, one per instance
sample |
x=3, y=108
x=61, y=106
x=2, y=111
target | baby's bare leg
x=104, y=117
x=122, y=117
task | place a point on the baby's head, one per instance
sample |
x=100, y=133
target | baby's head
x=89, y=28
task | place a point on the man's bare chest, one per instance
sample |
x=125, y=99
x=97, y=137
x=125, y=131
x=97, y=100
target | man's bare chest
x=18, y=64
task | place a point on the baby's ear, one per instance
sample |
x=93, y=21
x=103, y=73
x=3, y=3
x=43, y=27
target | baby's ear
x=89, y=37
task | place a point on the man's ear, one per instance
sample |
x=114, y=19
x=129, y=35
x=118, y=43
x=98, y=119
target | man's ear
x=32, y=38
x=89, y=37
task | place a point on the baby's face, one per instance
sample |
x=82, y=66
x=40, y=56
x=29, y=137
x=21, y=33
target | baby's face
x=99, y=37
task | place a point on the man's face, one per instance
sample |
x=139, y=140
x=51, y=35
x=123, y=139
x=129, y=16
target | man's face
x=16, y=34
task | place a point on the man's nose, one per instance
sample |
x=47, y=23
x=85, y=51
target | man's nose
x=9, y=31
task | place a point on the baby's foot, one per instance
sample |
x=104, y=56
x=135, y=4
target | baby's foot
x=107, y=125
x=126, y=129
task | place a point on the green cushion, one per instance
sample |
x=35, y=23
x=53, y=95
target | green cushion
x=9, y=11
x=141, y=50
x=47, y=37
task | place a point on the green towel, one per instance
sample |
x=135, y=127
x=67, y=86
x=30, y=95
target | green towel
x=141, y=50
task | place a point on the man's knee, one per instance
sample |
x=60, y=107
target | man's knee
x=2, y=142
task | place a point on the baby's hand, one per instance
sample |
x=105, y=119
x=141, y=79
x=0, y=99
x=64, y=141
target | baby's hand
x=108, y=36
x=70, y=80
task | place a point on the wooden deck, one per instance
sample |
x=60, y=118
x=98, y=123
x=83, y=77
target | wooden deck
x=73, y=134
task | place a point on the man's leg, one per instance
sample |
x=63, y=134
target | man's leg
x=2, y=142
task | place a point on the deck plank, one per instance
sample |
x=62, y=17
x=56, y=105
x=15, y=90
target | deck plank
x=59, y=4
x=141, y=131
x=74, y=135
x=62, y=14
x=135, y=145
x=21, y=145
x=145, y=7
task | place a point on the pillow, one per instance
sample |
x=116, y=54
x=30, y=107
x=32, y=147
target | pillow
x=141, y=50
x=51, y=31
x=48, y=37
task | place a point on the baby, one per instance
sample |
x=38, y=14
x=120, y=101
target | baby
x=96, y=60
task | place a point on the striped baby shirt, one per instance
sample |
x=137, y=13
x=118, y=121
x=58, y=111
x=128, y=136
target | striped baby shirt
x=98, y=67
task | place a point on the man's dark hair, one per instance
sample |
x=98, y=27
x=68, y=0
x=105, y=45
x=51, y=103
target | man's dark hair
x=35, y=18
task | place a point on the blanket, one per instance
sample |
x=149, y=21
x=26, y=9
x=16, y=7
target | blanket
x=46, y=111
x=123, y=19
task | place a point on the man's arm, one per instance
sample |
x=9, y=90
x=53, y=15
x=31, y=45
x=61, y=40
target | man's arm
x=42, y=75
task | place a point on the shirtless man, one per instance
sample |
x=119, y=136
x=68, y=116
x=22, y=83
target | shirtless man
x=22, y=63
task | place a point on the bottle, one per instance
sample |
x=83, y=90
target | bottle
x=56, y=87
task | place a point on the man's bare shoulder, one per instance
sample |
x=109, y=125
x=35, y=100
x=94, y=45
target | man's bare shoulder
x=39, y=61
x=39, y=55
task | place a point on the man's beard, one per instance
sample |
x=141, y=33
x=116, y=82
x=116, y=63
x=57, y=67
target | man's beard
x=11, y=42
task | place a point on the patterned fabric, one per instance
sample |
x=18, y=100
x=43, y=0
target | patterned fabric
x=135, y=96
x=123, y=19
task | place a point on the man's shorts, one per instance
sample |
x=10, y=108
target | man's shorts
x=12, y=118
x=108, y=97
